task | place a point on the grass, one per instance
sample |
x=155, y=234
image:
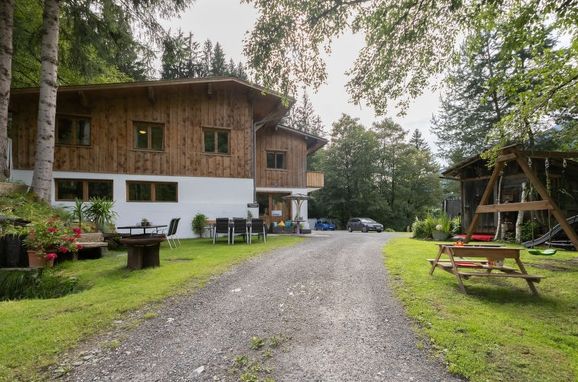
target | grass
x=35, y=332
x=499, y=331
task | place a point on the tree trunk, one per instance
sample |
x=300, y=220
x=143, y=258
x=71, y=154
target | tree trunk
x=520, y=219
x=42, y=178
x=6, y=27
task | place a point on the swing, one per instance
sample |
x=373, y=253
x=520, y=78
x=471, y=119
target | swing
x=549, y=251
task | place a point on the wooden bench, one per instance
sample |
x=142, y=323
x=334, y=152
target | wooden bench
x=92, y=245
x=493, y=259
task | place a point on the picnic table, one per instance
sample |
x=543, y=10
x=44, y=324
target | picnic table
x=488, y=261
x=143, y=227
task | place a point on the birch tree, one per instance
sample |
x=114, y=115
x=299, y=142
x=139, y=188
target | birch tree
x=42, y=177
x=6, y=25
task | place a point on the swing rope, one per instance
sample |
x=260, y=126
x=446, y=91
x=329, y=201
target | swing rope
x=549, y=251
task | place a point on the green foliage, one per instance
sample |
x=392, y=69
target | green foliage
x=256, y=343
x=302, y=117
x=184, y=58
x=530, y=230
x=199, y=223
x=422, y=229
x=498, y=331
x=16, y=285
x=28, y=207
x=407, y=43
x=100, y=211
x=375, y=173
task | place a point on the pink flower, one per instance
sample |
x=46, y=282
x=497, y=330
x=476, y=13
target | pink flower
x=62, y=249
x=77, y=232
x=78, y=246
x=50, y=256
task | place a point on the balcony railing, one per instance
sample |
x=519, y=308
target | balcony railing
x=315, y=179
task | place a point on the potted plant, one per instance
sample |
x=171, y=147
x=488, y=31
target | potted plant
x=46, y=239
x=199, y=223
x=101, y=213
x=442, y=228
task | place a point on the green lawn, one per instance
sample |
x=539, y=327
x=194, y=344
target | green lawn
x=34, y=332
x=499, y=331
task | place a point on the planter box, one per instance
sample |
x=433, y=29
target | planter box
x=439, y=235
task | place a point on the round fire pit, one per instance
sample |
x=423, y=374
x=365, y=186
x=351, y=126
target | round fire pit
x=143, y=250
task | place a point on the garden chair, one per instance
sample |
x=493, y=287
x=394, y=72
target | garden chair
x=258, y=228
x=171, y=233
x=222, y=227
x=240, y=228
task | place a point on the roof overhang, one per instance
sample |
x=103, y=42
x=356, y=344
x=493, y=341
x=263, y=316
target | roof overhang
x=314, y=142
x=265, y=101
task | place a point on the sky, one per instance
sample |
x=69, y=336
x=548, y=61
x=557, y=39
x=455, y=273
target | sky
x=229, y=21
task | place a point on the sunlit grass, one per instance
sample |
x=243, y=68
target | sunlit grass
x=499, y=331
x=34, y=332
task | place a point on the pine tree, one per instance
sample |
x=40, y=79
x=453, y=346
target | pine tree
x=180, y=57
x=417, y=141
x=207, y=58
x=302, y=117
x=218, y=65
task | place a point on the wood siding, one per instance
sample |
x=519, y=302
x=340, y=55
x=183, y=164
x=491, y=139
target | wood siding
x=315, y=179
x=295, y=147
x=184, y=111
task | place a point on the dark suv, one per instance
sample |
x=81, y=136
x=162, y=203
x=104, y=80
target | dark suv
x=363, y=225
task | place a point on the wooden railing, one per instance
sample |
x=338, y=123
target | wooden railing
x=315, y=179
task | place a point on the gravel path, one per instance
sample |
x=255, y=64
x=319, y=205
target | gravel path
x=325, y=303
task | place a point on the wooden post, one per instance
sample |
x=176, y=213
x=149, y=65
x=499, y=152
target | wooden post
x=558, y=214
x=485, y=197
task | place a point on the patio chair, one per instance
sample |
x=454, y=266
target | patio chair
x=221, y=227
x=171, y=232
x=258, y=228
x=240, y=228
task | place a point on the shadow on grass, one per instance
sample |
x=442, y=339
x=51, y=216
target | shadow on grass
x=509, y=294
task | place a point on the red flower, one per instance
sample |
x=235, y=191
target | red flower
x=52, y=229
x=77, y=232
x=50, y=256
x=78, y=246
x=62, y=249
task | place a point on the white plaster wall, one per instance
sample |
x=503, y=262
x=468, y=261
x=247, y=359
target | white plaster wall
x=214, y=197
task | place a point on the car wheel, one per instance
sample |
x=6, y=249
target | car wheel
x=349, y=229
x=378, y=231
x=364, y=229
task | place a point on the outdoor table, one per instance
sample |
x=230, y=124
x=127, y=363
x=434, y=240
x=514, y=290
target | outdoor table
x=143, y=227
x=143, y=250
x=488, y=258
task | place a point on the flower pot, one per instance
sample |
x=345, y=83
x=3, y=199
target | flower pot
x=439, y=235
x=35, y=261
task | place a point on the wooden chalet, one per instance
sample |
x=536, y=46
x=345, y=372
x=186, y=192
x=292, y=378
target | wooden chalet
x=551, y=179
x=164, y=149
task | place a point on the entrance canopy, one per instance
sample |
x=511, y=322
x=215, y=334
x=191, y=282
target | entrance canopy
x=298, y=199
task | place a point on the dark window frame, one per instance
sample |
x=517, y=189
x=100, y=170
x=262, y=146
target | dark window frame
x=153, y=185
x=85, y=193
x=276, y=153
x=137, y=125
x=75, y=139
x=215, y=132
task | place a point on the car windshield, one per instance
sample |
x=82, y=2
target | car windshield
x=366, y=220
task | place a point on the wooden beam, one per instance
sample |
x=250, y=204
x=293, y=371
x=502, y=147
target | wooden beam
x=510, y=207
x=506, y=157
x=558, y=214
x=551, y=154
x=485, y=197
x=83, y=99
x=151, y=94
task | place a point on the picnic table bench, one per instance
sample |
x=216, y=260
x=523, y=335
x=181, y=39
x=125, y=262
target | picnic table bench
x=92, y=245
x=486, y=260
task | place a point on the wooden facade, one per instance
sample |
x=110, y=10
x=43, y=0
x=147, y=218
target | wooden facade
x=183, y=111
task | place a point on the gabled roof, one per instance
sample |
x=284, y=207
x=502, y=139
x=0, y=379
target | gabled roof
x=314, y=142
x=266, y=100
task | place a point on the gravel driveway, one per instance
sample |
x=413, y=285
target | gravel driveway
x=319, y=311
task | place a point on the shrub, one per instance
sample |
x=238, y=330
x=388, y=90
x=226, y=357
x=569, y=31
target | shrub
x=100, y=212
x=199, y=223
x=15, y=285
x=422, y=229
x=530, y=230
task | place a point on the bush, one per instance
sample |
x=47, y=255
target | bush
x=530, y=230
x=422, y=229
x=199, y=223
x=16, y=285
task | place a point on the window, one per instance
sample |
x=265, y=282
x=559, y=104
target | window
x=216, y=141
x=152, y=192
x=149, y=136
x=276, y=160
x=83, y=189
x=73, y=131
